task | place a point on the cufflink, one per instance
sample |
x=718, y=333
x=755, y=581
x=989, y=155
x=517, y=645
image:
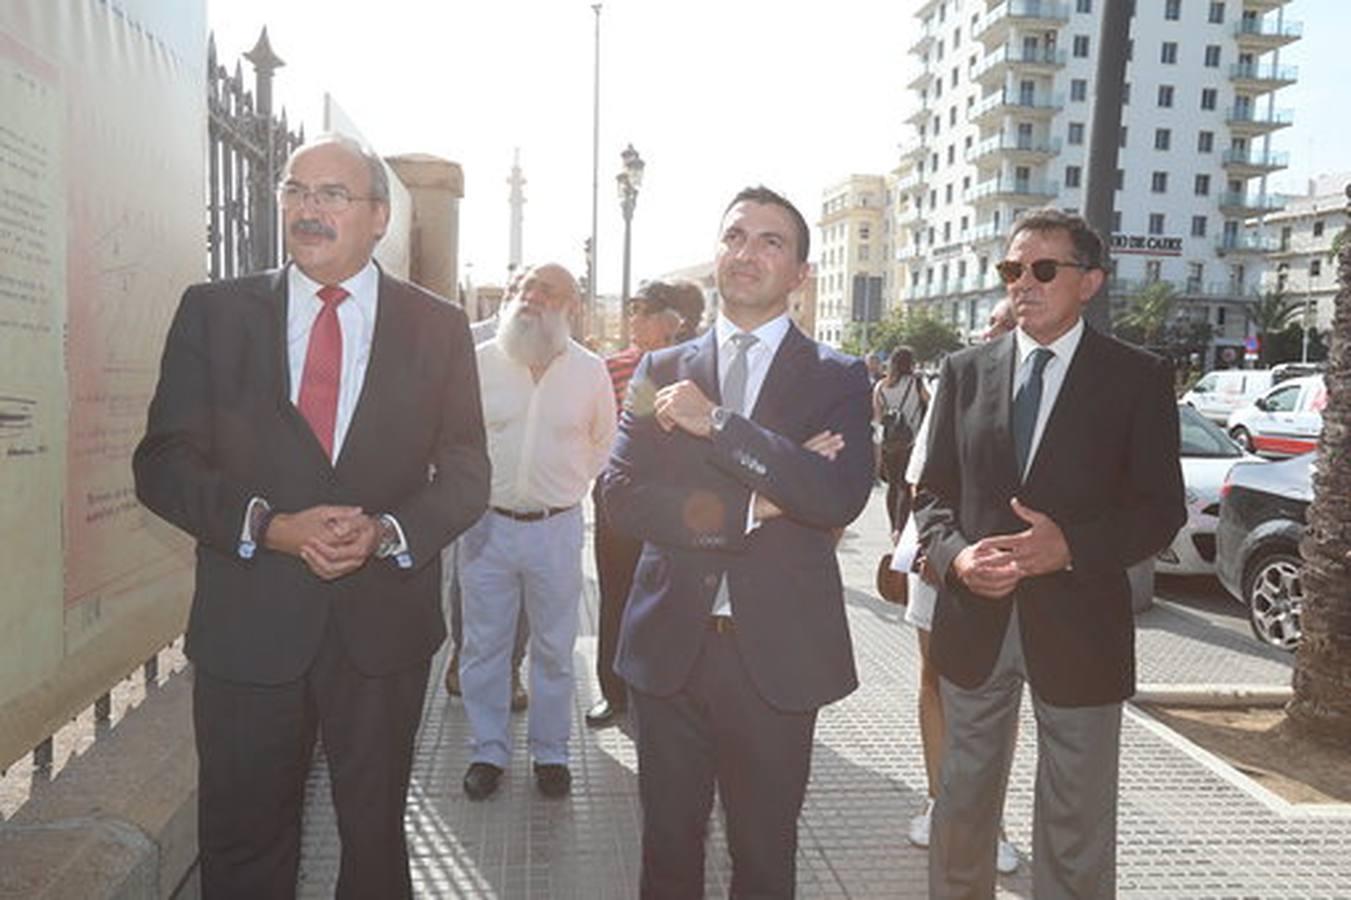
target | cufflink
x=718, y=417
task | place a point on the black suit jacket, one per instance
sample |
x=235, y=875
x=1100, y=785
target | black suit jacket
x=1106, y=471
x=686, y=498
x=222, y=429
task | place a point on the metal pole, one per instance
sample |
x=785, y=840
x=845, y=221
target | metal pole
x=590, y=317
x=1105, y=138
x=628, y=204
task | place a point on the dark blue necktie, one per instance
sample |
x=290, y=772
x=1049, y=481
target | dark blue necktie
x=1025, y=405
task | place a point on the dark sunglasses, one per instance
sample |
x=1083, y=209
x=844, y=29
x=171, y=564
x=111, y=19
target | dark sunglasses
x=1044, y=270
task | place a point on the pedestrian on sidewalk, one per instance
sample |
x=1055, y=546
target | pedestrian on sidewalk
x=315, y=429
x=923, y=595
x=899, y=402
x=660, y=314
x=738, y=454
x=550, y=419
x=1052, y=467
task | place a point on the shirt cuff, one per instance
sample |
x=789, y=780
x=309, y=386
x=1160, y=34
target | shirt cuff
x=400, y=554
x=752, y=522
x=248, y=545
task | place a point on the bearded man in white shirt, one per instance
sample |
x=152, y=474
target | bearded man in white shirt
x=550, y=416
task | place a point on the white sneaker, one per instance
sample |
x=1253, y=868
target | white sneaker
x=1006, y=856
x=919, y=825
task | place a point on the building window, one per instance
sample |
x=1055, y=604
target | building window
x=952, y=153
x=1165, y=95
x=1212, y=56
x=1201, y=186
x=1196, y=273
x=1120, y=179
x=1125, y=93
x=952, y=116
x=1081, y=46
x=1156, y=223
x=1079, y=89
x=1163, y=138
x=1315, y=268
x=1083, y=6
x=1076, y=133
x=1205, y=142
x=1168, y=54
x=1209, y=97
x=1158, y=183
x=947, y=233
x=1198, y=226
x=862, y=252
x=1116, y=220
x=1217, y=13
x=947, y=194
x=1219, y=315
x=953, y=82
x=863, y=232
x=1153, y=270
x=1318, y=228
x=1073, y=174
x=1172, y=10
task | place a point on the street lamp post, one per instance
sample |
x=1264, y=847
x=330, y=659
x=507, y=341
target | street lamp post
x=628, y=181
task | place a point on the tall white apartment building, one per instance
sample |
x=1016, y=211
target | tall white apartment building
x=854, y=270
x=1006, y=92
x=1300, y=235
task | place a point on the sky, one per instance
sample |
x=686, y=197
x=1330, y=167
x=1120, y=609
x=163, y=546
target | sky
x=714, y=95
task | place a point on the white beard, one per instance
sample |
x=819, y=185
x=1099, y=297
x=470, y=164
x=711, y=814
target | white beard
x=531, y=340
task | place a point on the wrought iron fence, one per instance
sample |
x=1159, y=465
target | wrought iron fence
x=246, y=149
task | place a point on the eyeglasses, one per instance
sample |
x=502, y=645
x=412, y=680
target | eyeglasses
x=1044, y=270
x=328, y=198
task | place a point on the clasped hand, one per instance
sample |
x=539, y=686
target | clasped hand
x=993, y=566
x=332, y=541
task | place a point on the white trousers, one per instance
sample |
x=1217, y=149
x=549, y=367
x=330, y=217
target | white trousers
x=504, y=563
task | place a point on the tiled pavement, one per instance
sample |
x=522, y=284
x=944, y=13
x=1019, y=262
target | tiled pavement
x=1188, y=825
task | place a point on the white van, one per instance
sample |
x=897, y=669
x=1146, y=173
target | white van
x=1221, y=392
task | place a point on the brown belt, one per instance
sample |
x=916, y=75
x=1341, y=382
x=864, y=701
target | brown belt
x=722, y=624
x=536, y=516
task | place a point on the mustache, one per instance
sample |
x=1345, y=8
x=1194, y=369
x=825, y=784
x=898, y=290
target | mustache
x=315, y=227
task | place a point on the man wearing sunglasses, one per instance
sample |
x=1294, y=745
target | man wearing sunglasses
x=1052, y=466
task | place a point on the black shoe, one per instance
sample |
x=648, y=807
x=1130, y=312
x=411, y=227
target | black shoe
x=604, y=713
x=553, y=779
x=480, y=782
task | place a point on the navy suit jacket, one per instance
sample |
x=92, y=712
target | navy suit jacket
x=687, y=498
x=222, y=429
x=1106, y=471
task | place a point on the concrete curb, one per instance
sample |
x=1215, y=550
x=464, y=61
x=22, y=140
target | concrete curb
x=119, y=820
x=1215, y=696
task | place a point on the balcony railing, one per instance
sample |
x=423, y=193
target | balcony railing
x=1002, y=144
x=1256, y=159
x=1018, y=56
x=1266, y=73
x=994, y=23
x=1247, y=243
x=1260, y=28
x=1246, y=115
x=1254, y=202
x=1009, y=102
x=1038, y=188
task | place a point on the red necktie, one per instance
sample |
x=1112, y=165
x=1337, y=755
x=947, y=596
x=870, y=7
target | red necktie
x=323, y=369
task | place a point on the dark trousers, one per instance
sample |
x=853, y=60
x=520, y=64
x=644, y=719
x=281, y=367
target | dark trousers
x=894, y=462
x=718, y=731
x=254, y=746
x=616, y=559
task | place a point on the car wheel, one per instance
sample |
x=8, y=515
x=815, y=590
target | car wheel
x=1243, y=438
x=1275, y=592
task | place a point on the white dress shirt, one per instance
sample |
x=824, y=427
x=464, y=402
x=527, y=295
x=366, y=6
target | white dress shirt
x=1052, y=377
x=356, y=319
x=546, y=439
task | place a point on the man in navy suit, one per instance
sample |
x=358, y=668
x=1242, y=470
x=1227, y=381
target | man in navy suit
x=318, y=431
x=1052, y=467
x=740, y=455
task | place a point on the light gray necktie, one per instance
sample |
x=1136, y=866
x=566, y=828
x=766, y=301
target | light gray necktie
x=734, y=399
x=734, y=386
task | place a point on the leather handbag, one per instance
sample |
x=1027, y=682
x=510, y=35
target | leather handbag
x=892, y=586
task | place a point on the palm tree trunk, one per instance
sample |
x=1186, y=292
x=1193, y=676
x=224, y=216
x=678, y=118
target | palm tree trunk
x=1322, y=677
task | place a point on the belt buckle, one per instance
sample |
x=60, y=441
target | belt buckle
x=721, y=624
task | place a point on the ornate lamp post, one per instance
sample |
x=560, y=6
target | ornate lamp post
x=628, y=181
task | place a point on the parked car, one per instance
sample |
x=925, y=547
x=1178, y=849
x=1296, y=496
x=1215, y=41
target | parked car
x=1262, y=518
x=1207, y=456
x=1222, y=391
x=1285, y=371
x=1286, y=420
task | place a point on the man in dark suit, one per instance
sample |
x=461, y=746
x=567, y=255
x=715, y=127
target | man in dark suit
x=1052, y=466
x=317, y=429
x=740, y=454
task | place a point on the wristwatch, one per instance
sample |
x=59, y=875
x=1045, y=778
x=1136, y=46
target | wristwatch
x=718, y=417
x=389, y=538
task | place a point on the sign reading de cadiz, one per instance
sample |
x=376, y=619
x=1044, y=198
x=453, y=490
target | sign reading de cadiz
x=1152, y=244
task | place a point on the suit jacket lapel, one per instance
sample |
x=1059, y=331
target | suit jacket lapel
x=781, y=381
x=392, y=339
x=997, y=403
x=702, y=365
x=1076, y=391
